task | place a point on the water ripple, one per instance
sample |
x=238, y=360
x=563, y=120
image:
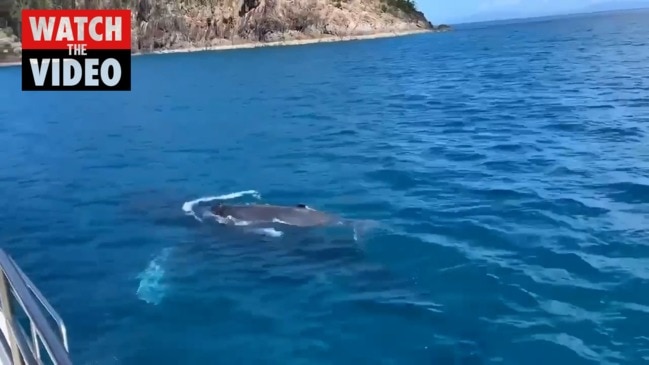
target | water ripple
x=506, y=166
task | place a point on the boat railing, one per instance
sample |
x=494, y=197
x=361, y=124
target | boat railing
x=24, y=349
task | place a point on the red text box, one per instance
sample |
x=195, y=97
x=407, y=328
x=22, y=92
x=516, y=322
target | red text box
x=58, y=29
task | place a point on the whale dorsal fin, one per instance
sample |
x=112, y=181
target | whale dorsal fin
x=301, y=205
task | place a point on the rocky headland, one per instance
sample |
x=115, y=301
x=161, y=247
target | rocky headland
x=185, y=25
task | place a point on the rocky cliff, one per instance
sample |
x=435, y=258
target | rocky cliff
x=215, y=22
x=175, y=24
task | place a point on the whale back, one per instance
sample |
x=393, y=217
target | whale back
x=299, y=215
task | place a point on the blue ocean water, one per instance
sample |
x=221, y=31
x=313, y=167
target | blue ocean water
x=507, y=166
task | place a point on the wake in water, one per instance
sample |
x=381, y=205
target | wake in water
x=193, y=208
x=189, y=207
x=152, y=288
x=253, y=217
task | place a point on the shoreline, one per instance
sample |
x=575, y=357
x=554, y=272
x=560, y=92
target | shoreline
x=291, y=42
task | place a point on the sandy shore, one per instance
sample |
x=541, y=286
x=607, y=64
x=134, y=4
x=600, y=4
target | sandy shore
x=294, y=42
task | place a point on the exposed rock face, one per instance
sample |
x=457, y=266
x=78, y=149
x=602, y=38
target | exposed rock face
x=174, y=24
x=181, y=24
x=10, y=48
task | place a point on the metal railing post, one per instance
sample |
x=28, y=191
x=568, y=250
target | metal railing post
x=14, y=283
x=34, y=334
x=8, y=315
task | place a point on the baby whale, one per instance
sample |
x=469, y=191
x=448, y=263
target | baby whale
x=299, y=215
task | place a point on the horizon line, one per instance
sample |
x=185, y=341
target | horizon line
x=538, y=17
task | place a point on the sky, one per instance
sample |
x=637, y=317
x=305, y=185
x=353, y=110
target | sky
x=456, y=11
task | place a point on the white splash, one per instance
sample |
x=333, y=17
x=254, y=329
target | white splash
x=152, y=289
x=188, y=207
x=226, y=220
x=271, y=232
x=275, y=220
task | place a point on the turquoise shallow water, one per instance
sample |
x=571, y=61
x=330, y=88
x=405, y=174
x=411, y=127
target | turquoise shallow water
x=507, y=165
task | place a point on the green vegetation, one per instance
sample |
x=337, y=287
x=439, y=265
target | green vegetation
x=407, y=6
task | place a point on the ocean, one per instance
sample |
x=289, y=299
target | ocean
x=506, y=169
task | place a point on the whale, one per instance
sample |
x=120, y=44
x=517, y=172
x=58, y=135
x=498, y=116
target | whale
x=299, y=215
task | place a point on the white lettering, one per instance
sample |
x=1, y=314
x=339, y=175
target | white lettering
x=39, y=72
x=65, y=30
x=68, y=78
x=81, y=21
x=117, y=72
x=91, y=72
x=114, y=31
x=42, y=29
x=56, y=74
x=92, y=29
x=77, y=49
